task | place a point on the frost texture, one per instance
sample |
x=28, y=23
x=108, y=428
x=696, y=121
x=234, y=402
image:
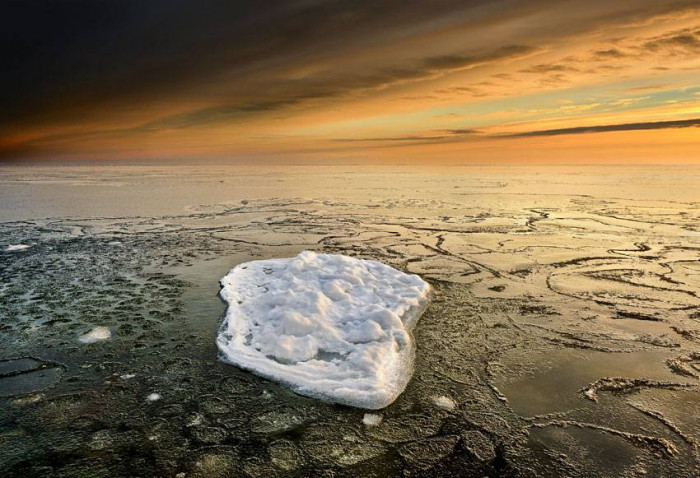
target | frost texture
x=328, y=326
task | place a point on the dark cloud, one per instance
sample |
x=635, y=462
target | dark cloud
x=549, y=68
x=467, y=90
x=293, y=93
x=685, y=42
x=61, y=57
x=458, y=135
x=64, y=55
x=691, y=123
x=455, y=62
x=437, y=137
x=608, y=54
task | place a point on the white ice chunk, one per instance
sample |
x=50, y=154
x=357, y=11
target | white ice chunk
x=97, y=334
x=446, y=403
x=17, y=247
x=153, y=397
x=371, y=419
x=328, y=326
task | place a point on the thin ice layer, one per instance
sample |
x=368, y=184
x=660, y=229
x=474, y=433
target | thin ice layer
x=328, y=326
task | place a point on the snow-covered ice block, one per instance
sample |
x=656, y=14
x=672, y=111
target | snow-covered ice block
x=327, y=326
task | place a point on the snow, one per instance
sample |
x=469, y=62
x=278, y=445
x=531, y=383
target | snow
x=371, y=419
x=328, y=326
x=17, y=247
x=446, y=403
x=97, y=334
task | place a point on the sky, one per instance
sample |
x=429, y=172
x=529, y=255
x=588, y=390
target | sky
x=331, y=82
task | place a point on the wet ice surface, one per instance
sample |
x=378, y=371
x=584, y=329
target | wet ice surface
x=562, y=339
x=327, y=326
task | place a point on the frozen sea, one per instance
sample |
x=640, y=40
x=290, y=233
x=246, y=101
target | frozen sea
x=563, y=336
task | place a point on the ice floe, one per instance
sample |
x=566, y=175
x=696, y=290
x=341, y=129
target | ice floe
x=153, y=397
x=371, y=419
x=328, y=326
x=97, y=334
x=446, y=403
x=17, y=247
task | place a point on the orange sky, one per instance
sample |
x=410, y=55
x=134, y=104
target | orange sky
x=473, y=82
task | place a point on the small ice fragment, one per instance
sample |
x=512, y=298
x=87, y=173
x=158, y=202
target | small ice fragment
x=327, y=326
x=372, y=419
x=97, y=334
x=114, y=243
x=154, y=397
x=27, y=399
x=17, y=247
x=127, y=376
x=446, y=403
x=195, y=420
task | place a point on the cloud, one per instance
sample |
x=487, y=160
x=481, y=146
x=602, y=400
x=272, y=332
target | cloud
x=294, y=93
x=611, y=53
x=686, y=42
x=690, y=123
x=458, y=62
x=85, y=75
x=649, y=88
x=70, y=56
x=437, y=136
x=459, y=135
x=548, y=68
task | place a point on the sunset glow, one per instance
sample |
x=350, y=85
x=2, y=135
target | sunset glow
x=452, y=82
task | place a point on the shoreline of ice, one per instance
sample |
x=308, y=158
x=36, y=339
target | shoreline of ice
x=327, y=326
